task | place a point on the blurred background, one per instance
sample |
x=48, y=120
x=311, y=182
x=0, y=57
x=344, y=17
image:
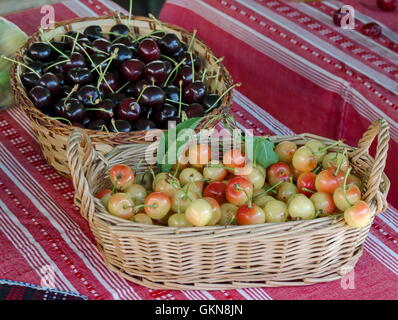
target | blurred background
x=141, y=7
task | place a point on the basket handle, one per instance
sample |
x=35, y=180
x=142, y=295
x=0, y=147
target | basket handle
x=80, y=153
x=379, y=128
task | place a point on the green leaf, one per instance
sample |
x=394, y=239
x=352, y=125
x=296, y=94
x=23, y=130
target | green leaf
x=263, y=151
x=176, y=145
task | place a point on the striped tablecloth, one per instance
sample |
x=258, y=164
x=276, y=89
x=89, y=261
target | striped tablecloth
x=45, y=242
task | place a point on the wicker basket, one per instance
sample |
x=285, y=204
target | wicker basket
x=53, y=135
x=213, y=258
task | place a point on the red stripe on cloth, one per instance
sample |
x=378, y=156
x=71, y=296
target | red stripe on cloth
x=29, y=20
x=13, y=264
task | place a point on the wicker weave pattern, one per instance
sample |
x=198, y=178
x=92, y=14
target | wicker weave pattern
x=271, y=254
x=53, y=135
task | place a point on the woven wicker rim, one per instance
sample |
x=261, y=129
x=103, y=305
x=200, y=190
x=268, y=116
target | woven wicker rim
x=101, y=136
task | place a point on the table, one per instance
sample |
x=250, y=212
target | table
x=45, y=241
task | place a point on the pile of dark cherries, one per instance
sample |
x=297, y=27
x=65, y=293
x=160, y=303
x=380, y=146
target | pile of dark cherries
x=66, y=80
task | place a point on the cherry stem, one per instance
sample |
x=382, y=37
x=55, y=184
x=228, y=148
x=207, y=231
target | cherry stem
x=141, y=93
x=192, y=40
x=74, y=42
x=184, y=104
x=308, y=190
x=340, y=164
x=148, y=35
x=192, y=66
x=317, y=169
x=321, y=150
x=102, y=75
x=222, y=96
x=57, y=63
x=269, y=189
x=82, y=48
x=104, y=128
x=249, y=199
x=345, y=187
x=22, y=64
x=60, y=118
x=123, y=86
x=180, y=99
x=145, y=206
x=177, y=169
x=113, y=125
x=174, y=70
x=168, y=58
x=99, y=109
x=74, y=89
x=42, y=33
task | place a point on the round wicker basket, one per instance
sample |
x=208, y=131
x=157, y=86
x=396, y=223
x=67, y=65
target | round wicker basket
x=53, y=135
x=213, y=258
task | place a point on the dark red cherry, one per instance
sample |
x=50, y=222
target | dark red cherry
x=93, y=32
x=143, y=124
x=195, y=110
x=169, y=67
x=66, y=90
x=165, y=113
x=209, y=100
x=119, y=30
x=128, y=43
x=148, y=50
x=181, y=50
x=98, y=125
x=101, y=46
x=105, y=110
x=387, y=5
x=188, y=61
x=60, y=45
x=29, y=79
x=36, y=66
x=129, y=110
x=71, y=109
x=155, y=72
x=194, y=92
x=71, y=35
x=123, y=52
x=61, y=78
x=41, y=97
x=170, y=44
x=110, y=82
x=89, y=95
x=79, y=76
x=119, y=126
x=40, y=51
x=99, y=59
x=153, y=97
x=76, y=59
x=84, y=46
x=132, y=69
x=117, y=98
x=184, y=75
x=371, y=29
x=139, y=86
x=51, y=82
x=172, y=93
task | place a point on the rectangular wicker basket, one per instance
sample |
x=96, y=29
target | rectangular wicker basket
x=213, y=258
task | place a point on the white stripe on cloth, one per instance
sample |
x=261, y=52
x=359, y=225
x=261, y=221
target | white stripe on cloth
x=113, y=6
x=62, y=222
x=30, y=249
x=382, y=253
x=79, y=8
x=319, y=43
x=289, y=59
